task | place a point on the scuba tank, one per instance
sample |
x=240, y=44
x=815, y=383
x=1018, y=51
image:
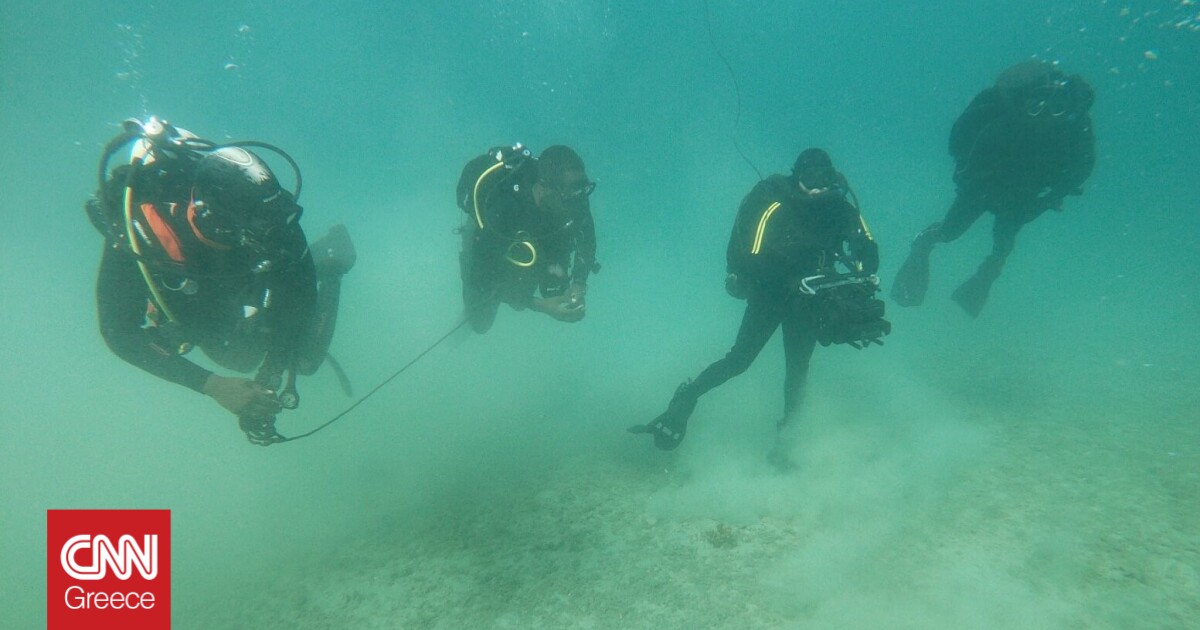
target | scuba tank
x=164, y=158
x=163, y=166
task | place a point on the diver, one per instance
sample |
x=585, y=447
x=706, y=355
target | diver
x=203, y=247
x=790, y=233
x=1020, y=148
x=528, y=238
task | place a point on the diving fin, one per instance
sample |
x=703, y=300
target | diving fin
x=973, y=294
x=334, y=253
x=913, y=279
x=669, y=428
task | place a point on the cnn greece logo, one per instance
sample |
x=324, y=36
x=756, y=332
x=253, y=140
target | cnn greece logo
x=122, y=557
x=109, y=569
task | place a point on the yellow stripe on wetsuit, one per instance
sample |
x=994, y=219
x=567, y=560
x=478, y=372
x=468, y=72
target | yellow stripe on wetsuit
x=762, y=227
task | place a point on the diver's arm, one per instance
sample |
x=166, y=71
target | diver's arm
x=865, y=251
x=739, y=275
x=585, y=250
x=741, y=237
x=121, y=298
x=863, y=248
x=735, y=252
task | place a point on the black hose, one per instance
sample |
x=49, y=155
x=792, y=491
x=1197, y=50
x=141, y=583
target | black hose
x=737, y=116
x=278, y=151
x=381, y=385
x=110, y=149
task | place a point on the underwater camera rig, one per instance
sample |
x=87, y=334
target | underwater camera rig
x=845, y=310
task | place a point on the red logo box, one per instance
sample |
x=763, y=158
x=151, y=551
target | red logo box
x=108, y=569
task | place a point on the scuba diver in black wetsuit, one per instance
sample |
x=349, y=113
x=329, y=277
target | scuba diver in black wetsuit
x=203, y=247
x=529, y=229
x=1020, y=148
x=789, y=234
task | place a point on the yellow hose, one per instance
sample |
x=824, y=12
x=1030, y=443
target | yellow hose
x=155, y=296
x=532, y=254
x=475, y=192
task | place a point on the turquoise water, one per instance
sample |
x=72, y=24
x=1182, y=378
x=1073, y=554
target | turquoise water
x=1037, y=467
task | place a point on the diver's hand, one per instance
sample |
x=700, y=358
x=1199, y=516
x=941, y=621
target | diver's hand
x=564, y=308
x=242, y=396
x=569, y=307
x=577, y=297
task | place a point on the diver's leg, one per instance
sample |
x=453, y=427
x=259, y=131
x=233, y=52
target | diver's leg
x=912, y=281
x=799, y=340
x=762, y=316
x=480, y=298
x=973, y=294
x=334, y=256
x=320, y=333
x=968, y=206
x=798, y=344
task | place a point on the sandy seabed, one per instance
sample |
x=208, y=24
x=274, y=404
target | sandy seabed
x=1072, y=515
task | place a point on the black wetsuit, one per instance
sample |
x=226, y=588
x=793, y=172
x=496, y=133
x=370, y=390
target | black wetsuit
x=771, y=249
x=1019, y=148
x=238, y=318
x=521, y=248
x=1014, y=166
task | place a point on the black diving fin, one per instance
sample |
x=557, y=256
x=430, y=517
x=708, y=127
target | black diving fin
x=669, y=427
x=912, y=281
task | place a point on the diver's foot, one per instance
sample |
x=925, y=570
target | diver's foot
x=973, y=294
x=334, y=253
x=912, y=281
x=669, y=428
x=481, y=314
x=780, y=455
